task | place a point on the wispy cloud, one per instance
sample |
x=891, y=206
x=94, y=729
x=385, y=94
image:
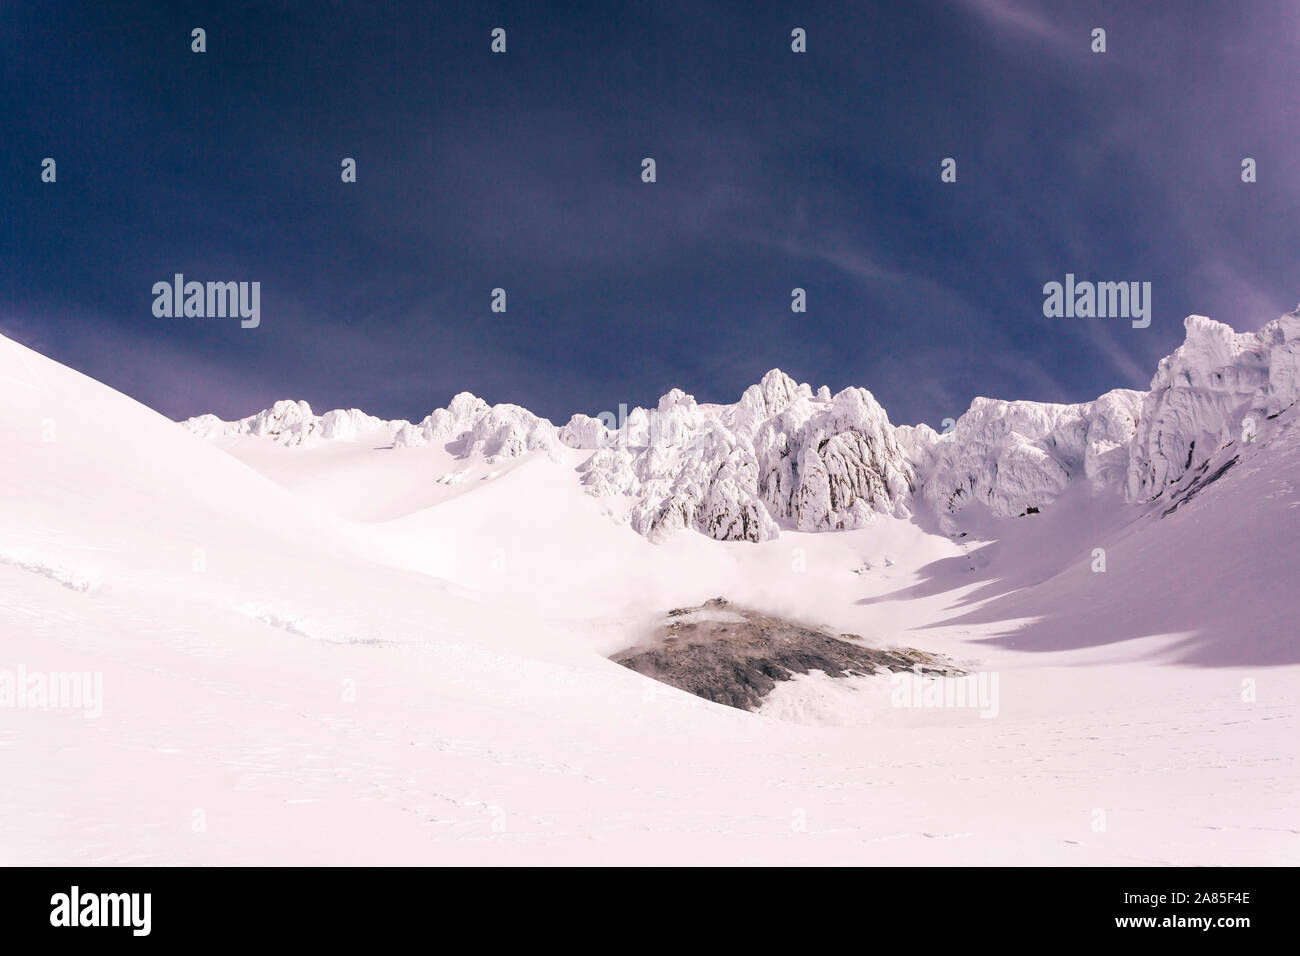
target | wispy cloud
x=1021, y=19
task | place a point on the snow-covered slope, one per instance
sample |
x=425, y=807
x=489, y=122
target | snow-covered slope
x=428, y=684
x=784, y=456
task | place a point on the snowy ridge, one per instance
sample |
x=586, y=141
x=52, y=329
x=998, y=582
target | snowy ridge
x=1217, y=387
x=1013, y=456
x=292, y=423
x=731, y=472
x=492, y=432
x=786, y=456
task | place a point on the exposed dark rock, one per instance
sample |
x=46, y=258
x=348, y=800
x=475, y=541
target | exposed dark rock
x=734, y=655
x=1198, y=484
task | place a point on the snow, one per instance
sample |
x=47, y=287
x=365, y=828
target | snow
x=784, y=456
x=1203, y=394
x=315, y=651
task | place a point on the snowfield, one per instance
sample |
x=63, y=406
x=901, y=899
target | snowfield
x=338, y=639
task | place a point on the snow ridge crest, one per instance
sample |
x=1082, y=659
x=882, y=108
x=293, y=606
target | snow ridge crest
x=787, y=456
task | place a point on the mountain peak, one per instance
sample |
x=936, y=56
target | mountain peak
x=822, y=462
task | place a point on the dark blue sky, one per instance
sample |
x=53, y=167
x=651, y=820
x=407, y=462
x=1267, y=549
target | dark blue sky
x=522, y=171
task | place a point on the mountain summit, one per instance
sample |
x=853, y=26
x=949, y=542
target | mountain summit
x=785, y=455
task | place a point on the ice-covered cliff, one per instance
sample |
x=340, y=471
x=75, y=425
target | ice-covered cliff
x=785, y=455
x=733, y=472
x=1218, y=386
x=494, y=432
